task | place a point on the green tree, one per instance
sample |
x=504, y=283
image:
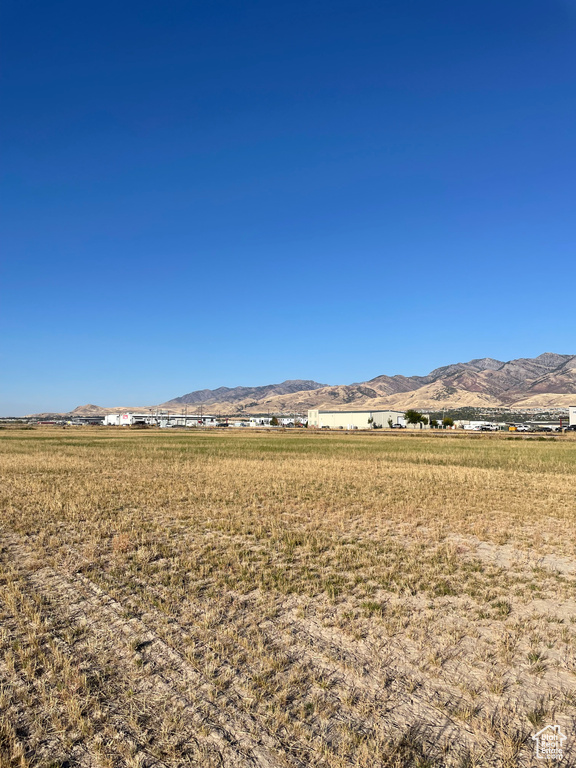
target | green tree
x=413, y=417
x=447, y=421
x=433, y=423
x=274, y=421
x=390, y=423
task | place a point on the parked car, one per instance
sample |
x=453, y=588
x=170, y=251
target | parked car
x=522, y=428
x=571, y=428
x=397, y=426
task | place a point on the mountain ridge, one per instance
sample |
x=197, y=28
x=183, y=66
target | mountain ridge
x=236, y=394
x=543, y=381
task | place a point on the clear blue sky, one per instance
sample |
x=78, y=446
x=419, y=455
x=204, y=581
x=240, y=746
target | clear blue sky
x=199, y=194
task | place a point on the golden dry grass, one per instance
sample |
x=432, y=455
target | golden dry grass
x=286, y=599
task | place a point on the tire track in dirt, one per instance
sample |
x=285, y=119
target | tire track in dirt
x=211, y=716
x=308, y=645
x=23, y=696
x=391, y=686
x=379, y=669
x=387, y=695
x=386, y=674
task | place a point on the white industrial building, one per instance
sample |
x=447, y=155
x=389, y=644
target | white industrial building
x=160, y=419
x=283, y=421
x=119, y=419
x=355, y=419
x=572, y=415
x=260, y=421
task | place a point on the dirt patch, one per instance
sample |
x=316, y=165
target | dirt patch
x=510, y=557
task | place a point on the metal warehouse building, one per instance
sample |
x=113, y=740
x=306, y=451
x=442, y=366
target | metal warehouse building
x=572, y=415
x=354, y=419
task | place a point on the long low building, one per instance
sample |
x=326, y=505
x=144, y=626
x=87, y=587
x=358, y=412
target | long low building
x=355, y=419
x=572, y=415
x=162, y=419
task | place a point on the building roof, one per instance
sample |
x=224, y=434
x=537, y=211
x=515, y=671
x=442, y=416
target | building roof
x=364, y=410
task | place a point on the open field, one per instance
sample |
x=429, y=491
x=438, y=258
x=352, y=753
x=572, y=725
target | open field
x=290, y=599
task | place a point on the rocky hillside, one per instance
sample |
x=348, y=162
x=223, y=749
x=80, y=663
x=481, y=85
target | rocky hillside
x=549, y=379
x=546, y=380
x=243, y=394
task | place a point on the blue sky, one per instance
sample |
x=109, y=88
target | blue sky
x=199, y=194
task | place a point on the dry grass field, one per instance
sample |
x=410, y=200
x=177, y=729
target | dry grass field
x=284, y=600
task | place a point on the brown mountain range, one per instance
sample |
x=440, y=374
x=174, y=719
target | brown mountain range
x=547, y=380
x=544, y=381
